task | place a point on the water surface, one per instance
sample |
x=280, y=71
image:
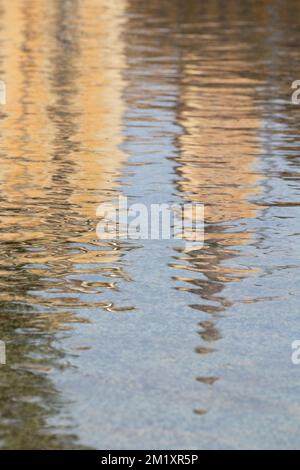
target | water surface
x=130, y=344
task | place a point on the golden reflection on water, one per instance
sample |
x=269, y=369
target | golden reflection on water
x=218, y=152
x=218, y=155
x=60, y=158
x=61, y=130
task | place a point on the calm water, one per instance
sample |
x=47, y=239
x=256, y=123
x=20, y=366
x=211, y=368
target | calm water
x=143, y=345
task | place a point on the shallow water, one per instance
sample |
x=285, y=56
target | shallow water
x=139, y=344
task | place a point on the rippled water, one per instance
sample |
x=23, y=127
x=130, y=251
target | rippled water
x=145, y=345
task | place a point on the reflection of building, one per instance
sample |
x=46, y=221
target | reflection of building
x=218, y=151
x=64, y=108
x=220, y=144
x=99, y=101
x=59, y=158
